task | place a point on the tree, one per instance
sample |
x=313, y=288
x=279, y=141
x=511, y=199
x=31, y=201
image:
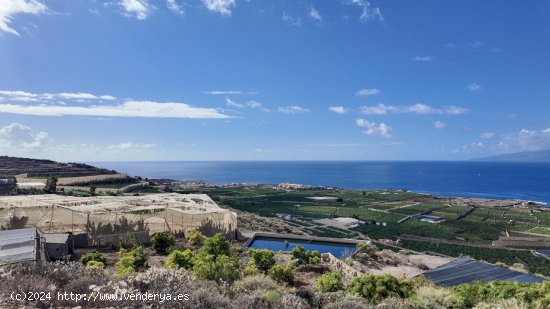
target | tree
x=93, y=190
x=329, y=282
x=223, y=267
x=161, y=241
x=376, y=288
x=51, y=185
x=300, y=253
x=314, y=257
x=131, y=260
x=180, y=259
x=305, y=257
x=195, y=237
x=282, y=273
x=216, y=245
x=263, y=259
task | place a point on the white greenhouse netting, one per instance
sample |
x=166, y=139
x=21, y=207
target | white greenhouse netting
x=17, y=246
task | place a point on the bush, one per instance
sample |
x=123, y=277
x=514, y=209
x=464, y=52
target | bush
x=479, y=292
x=93, y=256
x=180, y=259
x=282, y=273
x=250, y=271
x=305, y=257
x=95, y=264
x=223, y=267
x=216, y=245
x=195, y=237
x=300, y=254
x=161, y=241
x=314, y=257
x=368, y=249
x=263, y=259
x=329, y=282
x=437, y=298
x=131, y=260
x=251, y=284
x=376, y=288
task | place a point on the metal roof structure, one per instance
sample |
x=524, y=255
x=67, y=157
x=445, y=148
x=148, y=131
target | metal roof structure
x=17, y=246
x=466, y=270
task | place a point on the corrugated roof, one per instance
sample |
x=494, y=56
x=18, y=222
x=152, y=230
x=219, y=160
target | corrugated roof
x=466, y=270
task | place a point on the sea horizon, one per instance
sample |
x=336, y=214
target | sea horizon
x=469, y=179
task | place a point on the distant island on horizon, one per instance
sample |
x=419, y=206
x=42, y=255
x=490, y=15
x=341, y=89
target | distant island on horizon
x=525, y=156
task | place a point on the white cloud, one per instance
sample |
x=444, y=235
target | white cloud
x=175, y=7
x=86, y=104
x=473, y=87
x=226, y=92
x=258, y=105
x=372, y=128
x=315, y=15
x=423, y=58
x=525, y=140
x=146, y=109
x=419, y=108
x=487, y=135
x=295, y=109
x=337, y=109
x=439, y=124
x=130, y=146
x=380, y=109
x=139, y=9
x=367, y=11
x=23, y=96
x=367, y=92
x=17, y=138
x=291, y=20
x=11, y=8
x=220, y=6
x=232, y=103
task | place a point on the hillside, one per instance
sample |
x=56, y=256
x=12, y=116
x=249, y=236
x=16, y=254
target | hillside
x=527, y=156
x=11, y=166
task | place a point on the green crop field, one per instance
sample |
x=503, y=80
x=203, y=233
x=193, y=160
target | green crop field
x=480, y=226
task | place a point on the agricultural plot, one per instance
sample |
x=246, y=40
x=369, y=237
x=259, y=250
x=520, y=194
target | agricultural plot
x=481, y=226
x=536, y=264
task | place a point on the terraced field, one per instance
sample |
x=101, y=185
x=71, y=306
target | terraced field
x=382, y=211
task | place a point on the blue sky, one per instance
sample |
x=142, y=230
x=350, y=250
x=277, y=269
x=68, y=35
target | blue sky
x=273, y=80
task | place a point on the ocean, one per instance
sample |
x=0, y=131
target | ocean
x=494, y=180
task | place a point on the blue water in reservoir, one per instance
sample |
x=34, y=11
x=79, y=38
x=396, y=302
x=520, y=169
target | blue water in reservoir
x=278, y=244
x=496, y=180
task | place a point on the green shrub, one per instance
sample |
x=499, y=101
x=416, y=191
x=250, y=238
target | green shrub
x=282, y=273
x=216, y=245
x=250, y=271
x=478, y=292
x=376, y=288
x=305, y=257
x=195, y=237
x=131, y=260
x=93, y=256
x=96, y=264
x=314, y=257
x=161, y=241
x=180, y=259
x=364, y=247
x=329, y=282
x=263, y=259
x=252, y=284
x=223, y=267
x=300, y=254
